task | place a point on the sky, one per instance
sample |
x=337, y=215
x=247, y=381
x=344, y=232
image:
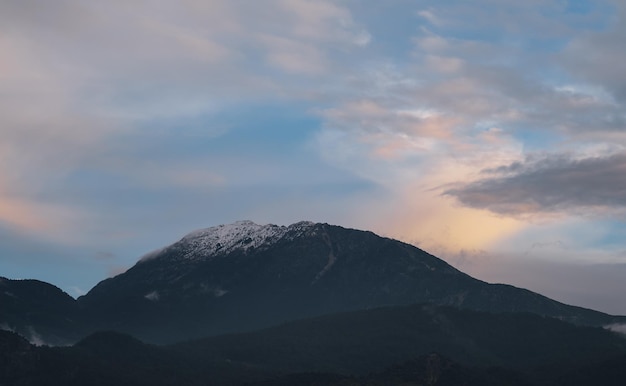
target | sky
x=491, y=133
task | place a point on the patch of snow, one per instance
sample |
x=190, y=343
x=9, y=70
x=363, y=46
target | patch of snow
x=218, y=292
x=152, y=296
x=77, y=291
x=242, y=235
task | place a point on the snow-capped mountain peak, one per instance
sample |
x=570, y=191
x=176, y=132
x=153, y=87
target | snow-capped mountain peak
x=241, y=235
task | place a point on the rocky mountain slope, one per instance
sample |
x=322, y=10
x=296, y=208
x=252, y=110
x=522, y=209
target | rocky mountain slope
x=245, y=276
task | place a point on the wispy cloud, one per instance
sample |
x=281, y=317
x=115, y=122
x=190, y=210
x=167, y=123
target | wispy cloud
x=620, y=328
x=79, y=80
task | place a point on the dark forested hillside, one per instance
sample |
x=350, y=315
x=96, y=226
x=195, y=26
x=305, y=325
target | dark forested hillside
x=376, y=347
x=40, y=311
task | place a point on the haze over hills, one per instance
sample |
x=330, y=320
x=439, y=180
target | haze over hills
x=245, y=276
x=409, y=345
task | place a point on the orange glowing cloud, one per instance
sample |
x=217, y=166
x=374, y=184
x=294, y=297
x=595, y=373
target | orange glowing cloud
x=47, y=221
x=20, y=214
x=420, y=213
x=440, y=226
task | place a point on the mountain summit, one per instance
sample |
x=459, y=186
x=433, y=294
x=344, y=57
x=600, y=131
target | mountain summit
x=241, y=235
x=245, y=276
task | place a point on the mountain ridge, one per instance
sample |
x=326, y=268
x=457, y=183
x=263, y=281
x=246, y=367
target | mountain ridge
x=224, y=238
x=39, y=311
x=244, y=276
x=303, y=270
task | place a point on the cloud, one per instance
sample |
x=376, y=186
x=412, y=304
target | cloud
x=619, y=328
x=294, y=56
x=48, y=221
x=85, y=86
x=105, y=255
x=5, y=327
x=76, y=292
x=323, y=21
x=430, y=16
x=596, y=56
x=114, y=271
x=550, y=184
x=568, y=275
x=34, y=338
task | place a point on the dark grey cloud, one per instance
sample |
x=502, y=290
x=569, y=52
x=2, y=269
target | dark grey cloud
x=550, y=183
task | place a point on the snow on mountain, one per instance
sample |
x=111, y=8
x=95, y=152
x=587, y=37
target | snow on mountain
x=241, y=235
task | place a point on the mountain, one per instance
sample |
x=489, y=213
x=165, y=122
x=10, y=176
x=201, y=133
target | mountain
x=383, y=346
x=359, y=342
x=305, y=304
x=39, y=311
x=246, y=276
